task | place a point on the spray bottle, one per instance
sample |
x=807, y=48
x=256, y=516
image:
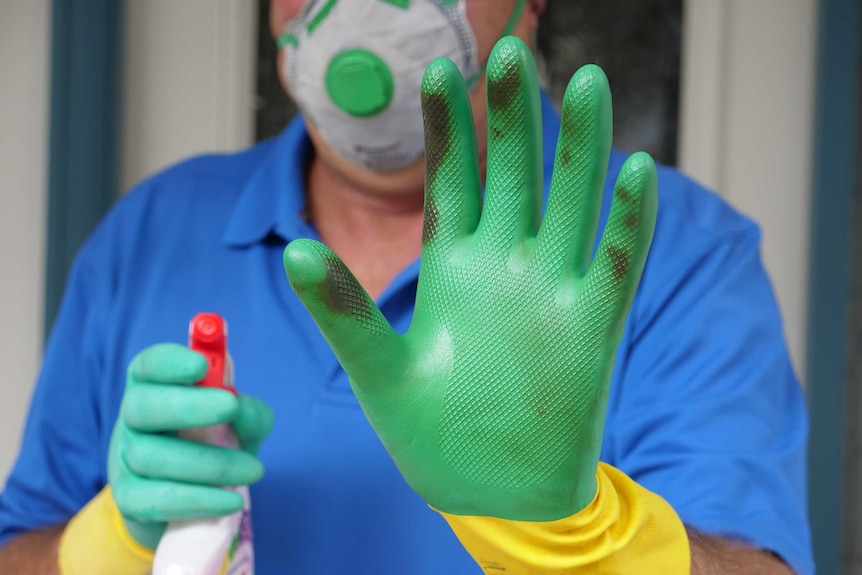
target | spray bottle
x=220, y=546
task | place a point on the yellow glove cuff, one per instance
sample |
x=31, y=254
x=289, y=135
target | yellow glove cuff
x=626, y=529
x=96, y=542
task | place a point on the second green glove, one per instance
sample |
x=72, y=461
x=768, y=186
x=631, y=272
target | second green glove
x=494, y=401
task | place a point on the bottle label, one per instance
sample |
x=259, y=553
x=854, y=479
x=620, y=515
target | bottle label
x=241, y=553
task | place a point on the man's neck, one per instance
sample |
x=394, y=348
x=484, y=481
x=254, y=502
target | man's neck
x=376, y=234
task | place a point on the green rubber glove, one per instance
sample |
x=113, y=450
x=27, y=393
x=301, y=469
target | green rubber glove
x=493, y=403
x=155, y=476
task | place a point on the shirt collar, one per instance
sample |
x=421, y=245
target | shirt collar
x=274, y=197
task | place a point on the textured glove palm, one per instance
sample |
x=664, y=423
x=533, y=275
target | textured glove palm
x=493, y=403
x=157, y=477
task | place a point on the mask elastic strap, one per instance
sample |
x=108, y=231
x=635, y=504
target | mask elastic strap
x=286, y=39
x=513, y=20
x=510, y=27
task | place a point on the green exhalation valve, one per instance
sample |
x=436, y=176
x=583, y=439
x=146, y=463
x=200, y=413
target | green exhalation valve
x=360, y=83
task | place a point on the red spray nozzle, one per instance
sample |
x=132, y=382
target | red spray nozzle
x=208, y=336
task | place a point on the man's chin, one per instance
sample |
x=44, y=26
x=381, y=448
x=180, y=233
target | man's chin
x=407, y=180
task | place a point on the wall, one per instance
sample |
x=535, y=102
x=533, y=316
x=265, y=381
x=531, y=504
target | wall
x=188, y=81
x=25, y=33
x=747, y=128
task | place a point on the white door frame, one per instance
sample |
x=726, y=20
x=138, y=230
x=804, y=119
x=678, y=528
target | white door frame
x=746, y=128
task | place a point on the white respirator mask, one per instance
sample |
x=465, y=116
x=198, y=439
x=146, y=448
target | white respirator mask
x=355, y=69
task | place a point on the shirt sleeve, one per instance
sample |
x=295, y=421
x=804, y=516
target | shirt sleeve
x=61, y=462
x=709, y=413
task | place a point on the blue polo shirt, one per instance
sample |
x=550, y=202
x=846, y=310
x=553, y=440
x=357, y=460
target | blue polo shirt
x=704, y=408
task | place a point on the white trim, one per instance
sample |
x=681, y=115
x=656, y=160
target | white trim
x=237, y=25
x=188, y=81
x=25, y=67
x=701, y=110
x=747, y=105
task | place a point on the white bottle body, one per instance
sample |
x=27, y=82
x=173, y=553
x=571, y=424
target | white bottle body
x=221, y=546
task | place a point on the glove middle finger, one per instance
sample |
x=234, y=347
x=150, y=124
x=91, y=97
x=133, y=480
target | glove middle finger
x=157, y=407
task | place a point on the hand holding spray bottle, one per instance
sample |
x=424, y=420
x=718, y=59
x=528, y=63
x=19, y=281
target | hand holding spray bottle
x=220, y=546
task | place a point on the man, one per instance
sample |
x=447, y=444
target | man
x=704, y=413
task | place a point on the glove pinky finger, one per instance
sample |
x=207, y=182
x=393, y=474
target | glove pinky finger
x=159, y=501
x=613, y=277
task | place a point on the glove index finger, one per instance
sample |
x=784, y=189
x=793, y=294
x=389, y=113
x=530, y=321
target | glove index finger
x=453, y=189
x=168, y=363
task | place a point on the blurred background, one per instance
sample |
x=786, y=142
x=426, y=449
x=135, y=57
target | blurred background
x=758, y=99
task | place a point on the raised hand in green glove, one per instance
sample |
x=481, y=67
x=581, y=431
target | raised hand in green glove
x=157, y=477
x=493, y=403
